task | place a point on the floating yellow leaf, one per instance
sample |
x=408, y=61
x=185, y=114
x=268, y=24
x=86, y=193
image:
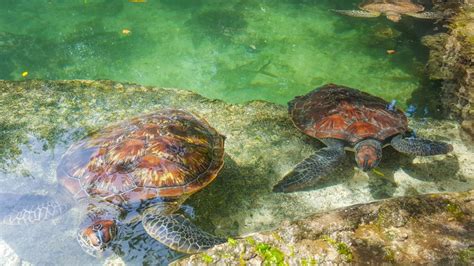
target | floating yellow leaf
x=126, y=32
x=137, y=1
x=24, y=74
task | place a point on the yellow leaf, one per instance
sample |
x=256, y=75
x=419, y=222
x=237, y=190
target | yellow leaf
x=378, y=172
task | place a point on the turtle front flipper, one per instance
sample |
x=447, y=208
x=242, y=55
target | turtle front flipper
x=420, y=147
x=308, y=172
x=178, y=233
x=29, y=209
x=426, y=15
x=357, y=13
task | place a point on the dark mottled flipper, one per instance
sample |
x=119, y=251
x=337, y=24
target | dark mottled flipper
x=178, y=233
x=426, y=15
x=420, y=147
x=29, y=209
x=310, y=170
x=357, y=13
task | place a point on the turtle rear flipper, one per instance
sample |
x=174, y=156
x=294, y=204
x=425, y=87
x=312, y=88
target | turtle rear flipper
x=178, y=233
x=420, y=147
x=29, y=209
x=426, y=15
x=357, y=13
x=308, y=172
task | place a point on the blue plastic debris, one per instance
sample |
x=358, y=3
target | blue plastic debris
x=391, y=105
x=411, y=110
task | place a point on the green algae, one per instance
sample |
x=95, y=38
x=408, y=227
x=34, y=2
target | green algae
x=270, y=254
x=466, y=255
x=455, y=210
x=308, y=262
x=341, y=247
x=389, y=255
x=232, y=242
x=206, y=258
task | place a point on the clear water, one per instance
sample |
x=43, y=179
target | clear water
x=232, y=50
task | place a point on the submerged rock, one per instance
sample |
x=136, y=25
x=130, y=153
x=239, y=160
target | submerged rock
x=429, y=229
x=40, y=119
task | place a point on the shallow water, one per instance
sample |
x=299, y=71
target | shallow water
x=44, y=118
x=235, y=51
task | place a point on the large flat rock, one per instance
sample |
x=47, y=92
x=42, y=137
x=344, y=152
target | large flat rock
x=436, y=229
x=40, y=119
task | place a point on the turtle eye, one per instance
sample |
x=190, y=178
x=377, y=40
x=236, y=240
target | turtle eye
x=101, y=233
x=97, y=227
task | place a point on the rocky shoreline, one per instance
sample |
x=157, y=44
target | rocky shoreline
x=452, y=62
x=435, y=229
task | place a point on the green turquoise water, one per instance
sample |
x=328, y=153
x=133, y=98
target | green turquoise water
x=232, y=50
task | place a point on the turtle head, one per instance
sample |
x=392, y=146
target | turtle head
x=368, y=154
x=95, y=238
x=395, y=17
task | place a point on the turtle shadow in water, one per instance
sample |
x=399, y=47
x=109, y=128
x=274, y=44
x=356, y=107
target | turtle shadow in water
x=237, y=187
x=382, y=187
x=429, y=169
x=434, y=170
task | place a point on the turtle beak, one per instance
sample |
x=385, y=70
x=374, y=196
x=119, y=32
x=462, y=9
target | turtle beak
x=368, y=155
x=365, y=165
x=100, y=239
x=98, y=236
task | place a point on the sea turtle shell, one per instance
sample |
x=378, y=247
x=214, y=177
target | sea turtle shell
x=339, y=112
x=397, y=6
x=164, y=154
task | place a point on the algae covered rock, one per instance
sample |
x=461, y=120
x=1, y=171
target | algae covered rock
x=428, y=229
x=41, y=119
x=452, y=61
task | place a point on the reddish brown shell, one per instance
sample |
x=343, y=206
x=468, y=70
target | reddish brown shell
x=339, y=112
x=164, y=154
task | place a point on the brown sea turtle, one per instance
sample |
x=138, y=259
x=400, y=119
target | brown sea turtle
x=392, y=9
x=142, y=168
x=345, y=118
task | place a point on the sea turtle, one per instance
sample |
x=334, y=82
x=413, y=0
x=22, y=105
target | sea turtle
x=142, y=168
x=345, y=118
x=392, y=9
